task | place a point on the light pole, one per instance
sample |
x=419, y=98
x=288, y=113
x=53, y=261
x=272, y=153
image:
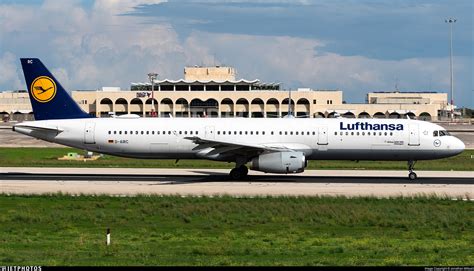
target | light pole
x=451, y=21
x=152, y=76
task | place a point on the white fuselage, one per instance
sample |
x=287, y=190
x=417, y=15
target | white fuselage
x=164, y=138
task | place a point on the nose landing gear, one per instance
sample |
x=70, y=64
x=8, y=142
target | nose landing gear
x=411, y=168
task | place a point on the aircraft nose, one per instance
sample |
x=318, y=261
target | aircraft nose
x=458, y=145
x=461, y=144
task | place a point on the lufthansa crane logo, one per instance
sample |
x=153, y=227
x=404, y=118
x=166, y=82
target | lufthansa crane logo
x=43, y=89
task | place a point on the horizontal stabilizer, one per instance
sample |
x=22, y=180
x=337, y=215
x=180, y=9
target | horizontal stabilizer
x=34, y=127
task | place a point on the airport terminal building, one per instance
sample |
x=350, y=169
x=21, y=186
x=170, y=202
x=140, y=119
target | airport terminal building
x=215, y=92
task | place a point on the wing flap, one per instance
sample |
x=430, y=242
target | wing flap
x=224, y=147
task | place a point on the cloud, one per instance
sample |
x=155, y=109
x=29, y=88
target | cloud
x=88, y=47
x=8, y=71
x=299, y=62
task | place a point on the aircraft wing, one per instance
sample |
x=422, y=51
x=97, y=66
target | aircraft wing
x=227, y=147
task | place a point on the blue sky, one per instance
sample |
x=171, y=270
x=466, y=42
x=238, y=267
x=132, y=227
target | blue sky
x=355, y=46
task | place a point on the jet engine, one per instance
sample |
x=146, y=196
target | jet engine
x=279, y=162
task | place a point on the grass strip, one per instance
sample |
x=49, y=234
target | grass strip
x=171, y=230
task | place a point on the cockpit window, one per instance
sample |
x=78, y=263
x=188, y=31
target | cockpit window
x=443, y=133
x=435, y=133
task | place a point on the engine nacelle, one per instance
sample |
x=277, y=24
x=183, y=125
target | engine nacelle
x=279, y=162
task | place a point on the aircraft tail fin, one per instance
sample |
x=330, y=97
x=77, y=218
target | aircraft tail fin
x=48, y=98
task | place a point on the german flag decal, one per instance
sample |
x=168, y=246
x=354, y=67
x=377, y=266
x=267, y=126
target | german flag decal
x=111, y=141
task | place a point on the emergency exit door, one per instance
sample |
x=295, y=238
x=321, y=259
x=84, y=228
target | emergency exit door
x=323, y=135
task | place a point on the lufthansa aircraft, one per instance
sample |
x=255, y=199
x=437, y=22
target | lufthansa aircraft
x=281, y=145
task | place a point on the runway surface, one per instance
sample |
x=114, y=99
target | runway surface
x=211, y=182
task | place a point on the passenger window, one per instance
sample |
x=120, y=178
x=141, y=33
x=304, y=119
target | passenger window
x=368, y=133
x=271, y=133
x=125, y=132
x=190, y=132
x=286, y=133
x=357, y=133
x=314, y=133
x=157, y=132
x=385, y=133
x=263, y=132
x=246, y=132
x=435, y=133
x=391, y=133
x=280, y=132
x=251, y=132
x=347, y=133
x=240, y=132
x=120, y=132
x=136, y=132
x=197, y=132
x=110, y=132
x=142, y=132
x=180, y=132
x=147, y=132
x=363, y=133
x=352, y=133
x=235, y=132
x=307, y=133
x=296, y=133
x=115, y=132
x=169, y=132
x=185, y=132
x=380, y=133
x=218, y=132
x=335, y=133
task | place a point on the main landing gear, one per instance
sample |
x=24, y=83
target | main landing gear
x=239, y=172
x=411, y=168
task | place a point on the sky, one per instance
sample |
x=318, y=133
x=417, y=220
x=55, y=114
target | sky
x=355, y=46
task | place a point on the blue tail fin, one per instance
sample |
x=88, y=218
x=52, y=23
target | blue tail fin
x=48, y=98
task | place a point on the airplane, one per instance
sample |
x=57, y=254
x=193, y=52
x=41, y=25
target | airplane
x=271, y=145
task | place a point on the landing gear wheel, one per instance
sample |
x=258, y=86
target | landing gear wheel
x=235, y=174
x=411, y=168
x=239, y=173
x=244, y=170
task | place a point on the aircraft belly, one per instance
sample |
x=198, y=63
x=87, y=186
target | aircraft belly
x=373, y=154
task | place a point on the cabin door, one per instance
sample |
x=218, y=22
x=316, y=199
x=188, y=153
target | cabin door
x=414, y=136
x=89, y=133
